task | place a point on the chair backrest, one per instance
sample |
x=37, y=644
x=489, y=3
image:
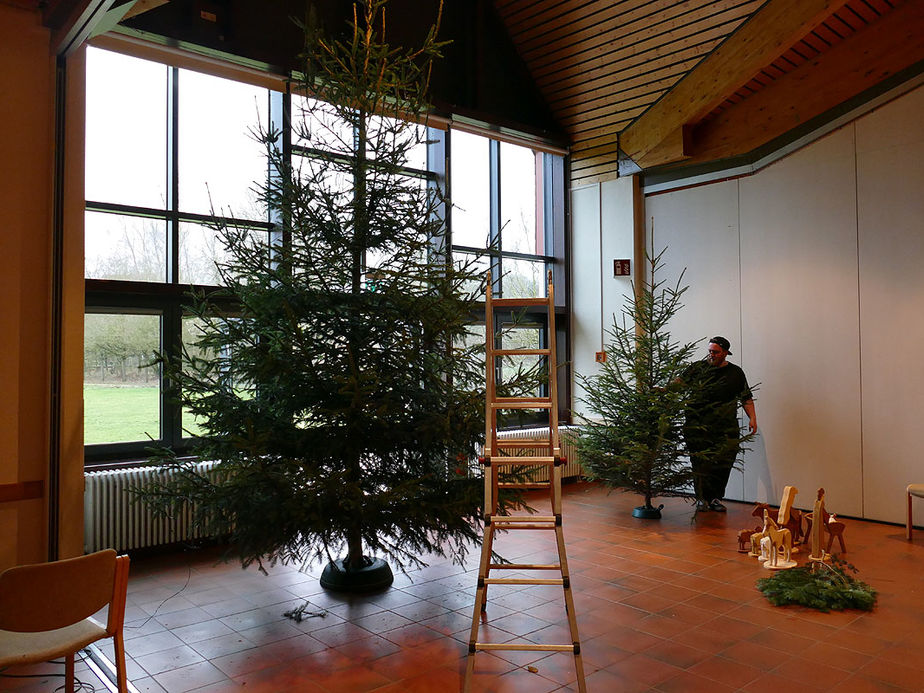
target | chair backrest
x=45, y=596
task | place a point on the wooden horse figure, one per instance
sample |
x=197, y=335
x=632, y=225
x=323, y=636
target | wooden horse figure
x=778, y=543
x=744, y=539
x=758, y=537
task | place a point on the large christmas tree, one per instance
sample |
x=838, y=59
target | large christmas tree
x=329, y=380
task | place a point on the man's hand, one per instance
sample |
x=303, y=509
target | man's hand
x=752, y=415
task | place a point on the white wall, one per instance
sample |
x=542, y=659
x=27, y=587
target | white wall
x=812, y=267
x=602, y=231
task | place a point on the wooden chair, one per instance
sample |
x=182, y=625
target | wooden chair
x=45, y=610
x=913, y=490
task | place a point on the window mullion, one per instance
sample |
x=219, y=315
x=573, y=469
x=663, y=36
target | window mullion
x=437, y=184
x=173, y=175
x=494, y=206
x=280, y=118
x=171, y=339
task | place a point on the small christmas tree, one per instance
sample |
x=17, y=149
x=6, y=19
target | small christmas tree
x=329, y=381
x=634, y=440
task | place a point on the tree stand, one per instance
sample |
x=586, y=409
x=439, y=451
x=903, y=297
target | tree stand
x=648, y=512
x=375, y=575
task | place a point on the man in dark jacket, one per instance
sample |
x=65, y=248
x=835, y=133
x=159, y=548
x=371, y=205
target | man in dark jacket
x=711, y=429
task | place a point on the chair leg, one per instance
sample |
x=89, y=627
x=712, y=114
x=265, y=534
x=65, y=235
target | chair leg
x=69, y=673
x=118, y=642
x=908, y=523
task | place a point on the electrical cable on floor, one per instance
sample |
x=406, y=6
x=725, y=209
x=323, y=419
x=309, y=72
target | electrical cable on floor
x=79, y=686
x=177, y=593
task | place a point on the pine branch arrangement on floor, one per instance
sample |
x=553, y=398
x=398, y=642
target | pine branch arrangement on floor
x=821, y=586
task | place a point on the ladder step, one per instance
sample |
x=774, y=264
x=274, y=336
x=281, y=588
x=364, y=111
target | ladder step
x=523, y=518
x=521, y=404
x=524, y=581
x=518, y=302
x=527, y=485
x=521, y=352
x=524, y=566
x=522, y=443
x=520, y=460
x=525, y=647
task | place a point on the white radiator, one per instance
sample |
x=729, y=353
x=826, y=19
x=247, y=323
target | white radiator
x=571, y=469
x=114, y=518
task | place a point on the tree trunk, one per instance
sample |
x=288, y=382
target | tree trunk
x=354, y=557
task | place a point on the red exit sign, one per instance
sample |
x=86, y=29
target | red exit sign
x=621, y=268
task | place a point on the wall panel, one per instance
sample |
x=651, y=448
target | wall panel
x=586, y=290
x=800, y=323
x=618, y=243
x=602, y=230
x=890, y=207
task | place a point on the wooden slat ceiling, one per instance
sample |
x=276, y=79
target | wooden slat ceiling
x=700, y=80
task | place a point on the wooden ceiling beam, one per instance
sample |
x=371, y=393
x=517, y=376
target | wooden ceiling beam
x=142, y=6
x=881, y=49
x=770, y=31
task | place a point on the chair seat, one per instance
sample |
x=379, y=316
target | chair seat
x=916, y=490
x=28, y=648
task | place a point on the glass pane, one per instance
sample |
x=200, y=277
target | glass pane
x=386, y=133
x=124, y=247
x=221, y=160
x=523, y=278
x=474, y=338
x=121, y=392
x=126, y=147
x=317, y=175
x=518, y=200
x=470, y=190
x=478, y=264
x=523, y=375
x=316, y=124
x=202, y=249
x=191, y=331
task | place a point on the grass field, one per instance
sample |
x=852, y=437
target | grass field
x=114, y=414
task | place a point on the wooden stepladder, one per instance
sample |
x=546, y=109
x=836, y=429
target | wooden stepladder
x=507, y=454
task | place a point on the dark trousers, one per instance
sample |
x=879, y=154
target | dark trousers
x=712, y=459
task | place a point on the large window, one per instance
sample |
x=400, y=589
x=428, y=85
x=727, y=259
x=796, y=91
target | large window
x=508, y=218
x=168, y=150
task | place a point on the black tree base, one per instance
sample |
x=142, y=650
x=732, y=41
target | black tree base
x=376, y=575
x=648, y=512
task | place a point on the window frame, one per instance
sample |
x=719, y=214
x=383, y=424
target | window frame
x=553, y=218
x=166, y=297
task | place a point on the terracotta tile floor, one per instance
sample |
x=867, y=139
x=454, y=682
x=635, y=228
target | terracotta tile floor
x=662, y=605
